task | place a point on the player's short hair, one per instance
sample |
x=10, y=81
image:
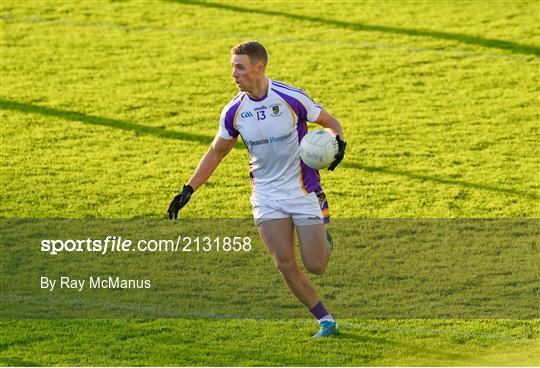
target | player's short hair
x=253, y=49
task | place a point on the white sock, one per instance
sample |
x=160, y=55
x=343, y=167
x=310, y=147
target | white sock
x=328, y=317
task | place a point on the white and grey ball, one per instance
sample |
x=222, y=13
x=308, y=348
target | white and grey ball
x=318, y=149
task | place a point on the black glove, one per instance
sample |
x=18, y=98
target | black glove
x=340, y=153
x=179, y=201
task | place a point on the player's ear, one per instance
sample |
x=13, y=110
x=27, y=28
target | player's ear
x=260, y=68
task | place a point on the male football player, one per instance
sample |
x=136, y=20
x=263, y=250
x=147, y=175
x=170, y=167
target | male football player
x=271, y=118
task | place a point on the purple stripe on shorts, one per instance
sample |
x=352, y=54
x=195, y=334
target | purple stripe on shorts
x=324, y=206
x=323, y=202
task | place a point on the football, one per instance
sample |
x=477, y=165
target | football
x=318, y=149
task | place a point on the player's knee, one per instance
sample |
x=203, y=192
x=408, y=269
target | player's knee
x=285, y=266
x=316, y=267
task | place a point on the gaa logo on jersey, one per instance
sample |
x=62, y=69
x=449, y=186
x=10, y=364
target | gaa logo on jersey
x=246, y=114
x=276, y=109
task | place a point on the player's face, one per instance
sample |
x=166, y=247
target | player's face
x=245, y=74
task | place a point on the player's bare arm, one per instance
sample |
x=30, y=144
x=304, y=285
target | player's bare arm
x=209, y=162
x=330, y=123
x=218, y=150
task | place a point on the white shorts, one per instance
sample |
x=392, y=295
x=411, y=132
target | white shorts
x=310, y=209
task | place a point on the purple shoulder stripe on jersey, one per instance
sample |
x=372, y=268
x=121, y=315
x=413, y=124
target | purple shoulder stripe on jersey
x=296, y=105
x=291, y=88
x=311, y=179
x=229, y=117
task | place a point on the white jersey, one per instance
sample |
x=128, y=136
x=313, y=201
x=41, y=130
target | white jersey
x=271, y=129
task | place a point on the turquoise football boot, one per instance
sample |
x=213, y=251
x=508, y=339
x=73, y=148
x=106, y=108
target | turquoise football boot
x=328, y=328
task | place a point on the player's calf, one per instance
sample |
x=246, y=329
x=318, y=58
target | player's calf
x=316, y=267
x=314, y=247
x=285, y=267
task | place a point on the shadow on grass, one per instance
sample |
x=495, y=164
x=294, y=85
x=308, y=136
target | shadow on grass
x=163, y=133
x=434, y=179
x=96, y=120
x=411, y=345
x=459, y=37
x=17, y=344
x=365, y=339
x=17, y=362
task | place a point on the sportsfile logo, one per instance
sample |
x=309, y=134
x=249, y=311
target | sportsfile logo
x=119, y=244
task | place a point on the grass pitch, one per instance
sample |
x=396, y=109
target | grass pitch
x=266, y=343
x=106, y=108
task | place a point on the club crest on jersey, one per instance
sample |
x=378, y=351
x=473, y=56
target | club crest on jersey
x=277, y=109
